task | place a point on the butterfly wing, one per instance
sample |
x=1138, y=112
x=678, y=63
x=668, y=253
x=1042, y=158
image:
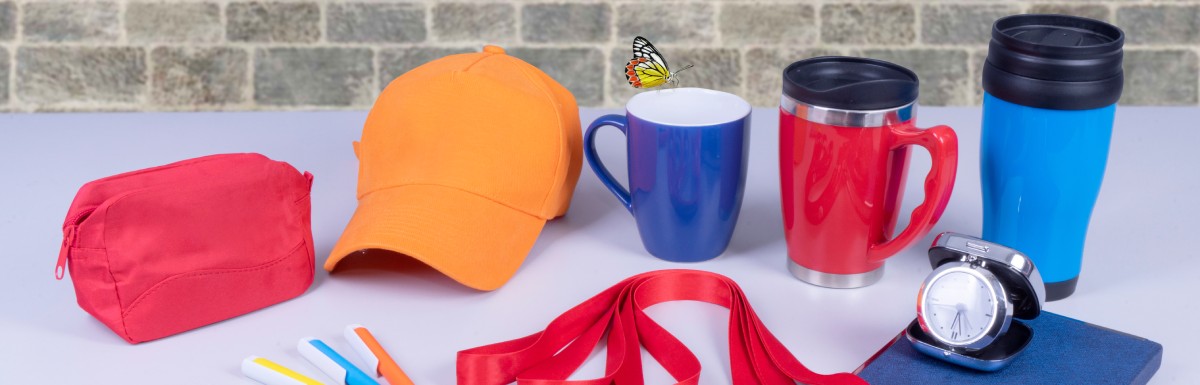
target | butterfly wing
x=648, y=68
x=643, y=49
x=642, y=73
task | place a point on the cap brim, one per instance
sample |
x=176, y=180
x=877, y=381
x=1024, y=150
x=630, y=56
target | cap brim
x=473, y=240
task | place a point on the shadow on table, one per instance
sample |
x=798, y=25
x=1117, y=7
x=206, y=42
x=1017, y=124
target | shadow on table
x=377, y=264
x=591, y=207
x=759, y=226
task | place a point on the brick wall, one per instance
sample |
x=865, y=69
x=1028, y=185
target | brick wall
x=121, y=55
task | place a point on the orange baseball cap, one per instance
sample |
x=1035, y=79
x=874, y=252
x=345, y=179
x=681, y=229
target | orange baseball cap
x=462, y=161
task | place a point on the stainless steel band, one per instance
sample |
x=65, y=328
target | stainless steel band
x=847, y=118
x=836, y=281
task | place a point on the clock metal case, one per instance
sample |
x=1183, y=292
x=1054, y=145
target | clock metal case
x=1013, y=277
x=997, y=325
x=989, y=359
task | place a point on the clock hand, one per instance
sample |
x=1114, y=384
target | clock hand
x=962, y=323
x=954, y=325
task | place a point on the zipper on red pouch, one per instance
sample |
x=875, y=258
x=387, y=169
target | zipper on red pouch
x=60, y=269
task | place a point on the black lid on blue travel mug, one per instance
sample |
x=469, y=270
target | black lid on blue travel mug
x=1055, y=62
x=850, y=83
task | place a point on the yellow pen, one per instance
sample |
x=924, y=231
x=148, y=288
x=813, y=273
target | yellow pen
x=270, y=373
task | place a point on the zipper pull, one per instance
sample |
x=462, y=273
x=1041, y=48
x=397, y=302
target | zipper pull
x=60, y=269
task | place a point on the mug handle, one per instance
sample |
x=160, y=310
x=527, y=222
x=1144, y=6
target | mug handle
x=589, y=151
x=942, y=144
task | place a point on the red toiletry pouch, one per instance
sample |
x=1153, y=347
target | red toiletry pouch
x=168, y=249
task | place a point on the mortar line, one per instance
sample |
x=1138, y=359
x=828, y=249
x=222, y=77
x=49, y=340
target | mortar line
x=252, y=76
x=430, y=34
x=1196, y=51
x=246, y=91
x=323, y=20
x=11, y=97
x=18, y=37
x=377, y=84
x=518, y=22
x=123, y=34
x=819, y=21
x=613, y=36
x=148, y=70
x=146, y=99
x=918, y=35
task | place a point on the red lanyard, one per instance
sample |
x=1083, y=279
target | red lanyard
x=550, y=356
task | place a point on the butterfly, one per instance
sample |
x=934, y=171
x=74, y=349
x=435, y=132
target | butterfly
x=648, y=69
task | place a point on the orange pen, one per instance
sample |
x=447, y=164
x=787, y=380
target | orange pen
x=378, y=360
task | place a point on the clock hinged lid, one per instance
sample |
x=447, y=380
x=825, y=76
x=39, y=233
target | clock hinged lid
x=1014, y=269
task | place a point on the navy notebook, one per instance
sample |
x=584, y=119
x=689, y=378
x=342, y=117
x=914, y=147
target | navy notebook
x=1063, y=351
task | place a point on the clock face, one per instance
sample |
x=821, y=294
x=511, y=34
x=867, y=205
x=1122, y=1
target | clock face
x=959, y=307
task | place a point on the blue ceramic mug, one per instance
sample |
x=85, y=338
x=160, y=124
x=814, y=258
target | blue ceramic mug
x=687, y=168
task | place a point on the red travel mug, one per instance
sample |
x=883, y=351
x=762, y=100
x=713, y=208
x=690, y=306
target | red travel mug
x=846, y=126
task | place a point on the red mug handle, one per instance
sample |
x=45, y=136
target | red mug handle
x=942, y=144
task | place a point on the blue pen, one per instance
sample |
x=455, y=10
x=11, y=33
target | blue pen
x=332, y=363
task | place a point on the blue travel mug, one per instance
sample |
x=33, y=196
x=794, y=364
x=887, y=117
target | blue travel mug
x=1052, y=83
x=687, y=168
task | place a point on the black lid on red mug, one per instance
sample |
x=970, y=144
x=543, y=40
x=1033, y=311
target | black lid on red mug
x=1055, y=62
x=850, y=83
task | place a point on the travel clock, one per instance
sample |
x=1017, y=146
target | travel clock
x=967, y=305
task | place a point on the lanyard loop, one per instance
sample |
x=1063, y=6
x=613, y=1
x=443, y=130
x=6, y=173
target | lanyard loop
x=550, y=356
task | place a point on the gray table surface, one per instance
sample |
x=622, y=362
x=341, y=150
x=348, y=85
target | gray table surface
x=1139, y=272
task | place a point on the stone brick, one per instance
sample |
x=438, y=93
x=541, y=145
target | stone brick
x=961, y=24
x=768, y=24
x=1093, y=11
x=1160, y=24
x=376, y=22
x=580, y=70
x=394, y=62
x=489, y=23
x=64, y=75
x=71, y=22
x=273, y=22
x=945, y=79
x=4, y=67
x=868, y=23
x=199, y=76
x=714, y=68
x=666, y=23
x=8, y=20
x=764, y=71
x=1160, y=78
x=173, y=22
x=313, y=76
x=546, y=23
